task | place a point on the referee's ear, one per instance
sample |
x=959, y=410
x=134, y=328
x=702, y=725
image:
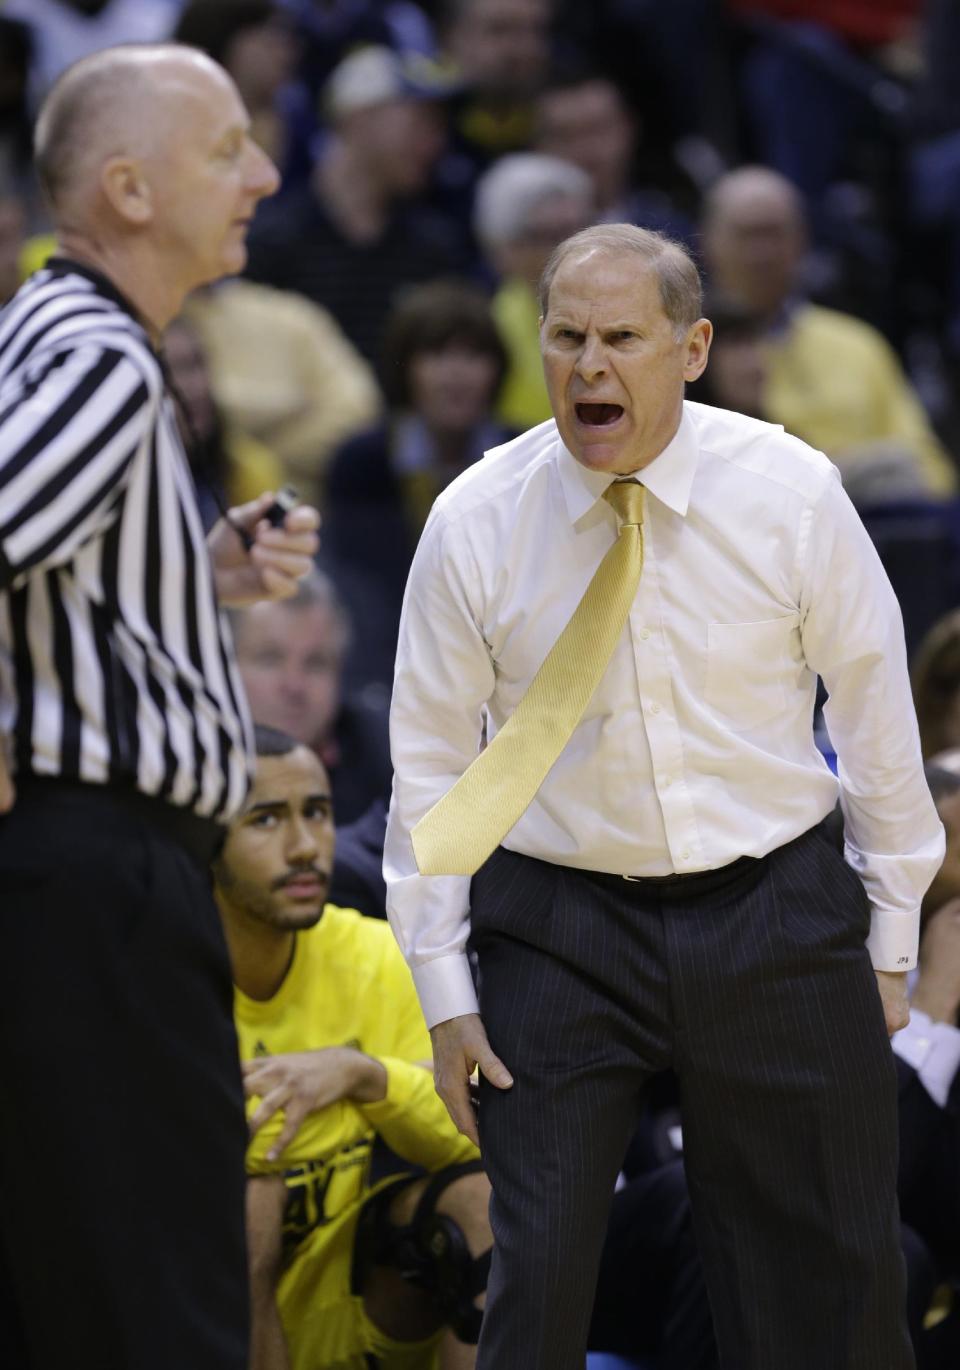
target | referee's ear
x=127, y=190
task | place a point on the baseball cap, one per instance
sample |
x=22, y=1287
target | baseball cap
x=375, y=75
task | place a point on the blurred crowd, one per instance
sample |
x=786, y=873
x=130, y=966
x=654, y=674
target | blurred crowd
x=384, y=336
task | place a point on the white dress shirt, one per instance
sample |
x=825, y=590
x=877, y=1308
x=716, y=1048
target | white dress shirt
x=697, y=746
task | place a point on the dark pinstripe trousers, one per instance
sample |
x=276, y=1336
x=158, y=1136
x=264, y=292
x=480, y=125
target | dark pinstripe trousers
x=754, y=984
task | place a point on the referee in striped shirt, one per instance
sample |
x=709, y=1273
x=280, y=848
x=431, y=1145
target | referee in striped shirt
x=122, y=1134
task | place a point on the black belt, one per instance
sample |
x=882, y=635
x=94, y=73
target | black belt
x=694, y=882
x=730, y=871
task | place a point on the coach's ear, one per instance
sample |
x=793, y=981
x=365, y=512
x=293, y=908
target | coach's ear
x=696, y=349
x=127, y=190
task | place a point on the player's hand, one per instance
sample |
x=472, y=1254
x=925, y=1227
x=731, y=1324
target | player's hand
x=277, y=561
x=937, y=991
x=896, y=1004
x=8, y=792
x=304, y=1082
x=459, y=1046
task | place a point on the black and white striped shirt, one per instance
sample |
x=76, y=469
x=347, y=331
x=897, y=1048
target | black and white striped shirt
x=116, y=665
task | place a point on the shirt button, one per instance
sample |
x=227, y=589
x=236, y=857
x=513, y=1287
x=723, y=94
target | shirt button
x=654, y=707
x=684, y=856
x=644, y=634
x=666, y=782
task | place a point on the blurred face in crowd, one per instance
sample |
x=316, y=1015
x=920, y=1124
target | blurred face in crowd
x=278, y=855
x=501, y=47
x=203, y=175
x=614, y=366
x=262, y=59
x=452, y=387
x=13, y=227
x=754, y=240
x=548, y=223
x=187, y=364
x=399, y=142
x=590, y=126
x=290, y=660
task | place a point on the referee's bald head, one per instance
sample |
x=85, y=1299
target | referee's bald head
x=119, y=102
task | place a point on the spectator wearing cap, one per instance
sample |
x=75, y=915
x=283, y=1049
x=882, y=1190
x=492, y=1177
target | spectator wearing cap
x=355, y=235
x=525, y=205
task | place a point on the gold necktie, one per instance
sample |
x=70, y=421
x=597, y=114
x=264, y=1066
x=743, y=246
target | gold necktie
x=464, y=827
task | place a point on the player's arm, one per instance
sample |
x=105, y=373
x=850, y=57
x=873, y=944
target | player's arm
x=303, y=1082
x=410, y=1116
x=266, y=1196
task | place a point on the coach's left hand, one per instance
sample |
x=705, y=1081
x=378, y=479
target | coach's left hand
x=896, y=1004
x=278, y=559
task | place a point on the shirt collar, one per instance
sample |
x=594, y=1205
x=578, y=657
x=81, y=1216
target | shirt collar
x=669, y=476
x=68, y=266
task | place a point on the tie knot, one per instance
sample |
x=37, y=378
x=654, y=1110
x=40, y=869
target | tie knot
x=626, y=499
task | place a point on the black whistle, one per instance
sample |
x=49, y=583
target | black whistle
x=287, y=499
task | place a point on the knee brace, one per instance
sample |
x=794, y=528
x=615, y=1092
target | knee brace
x=431, y=1253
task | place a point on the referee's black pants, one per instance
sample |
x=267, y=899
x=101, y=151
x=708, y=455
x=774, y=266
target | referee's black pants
x=122, y=1133
x=753, y=982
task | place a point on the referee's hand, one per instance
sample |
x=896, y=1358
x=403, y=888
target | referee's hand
x=275, y=560
x=7, y=792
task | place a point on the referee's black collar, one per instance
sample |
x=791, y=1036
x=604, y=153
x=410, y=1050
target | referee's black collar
x=63, y=266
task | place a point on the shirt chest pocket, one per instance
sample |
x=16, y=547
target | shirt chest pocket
x=751, y=668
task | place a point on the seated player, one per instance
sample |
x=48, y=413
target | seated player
x=367, y=1211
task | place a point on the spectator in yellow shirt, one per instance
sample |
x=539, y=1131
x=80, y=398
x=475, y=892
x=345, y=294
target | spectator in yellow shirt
x=367, y=1211
x=833, y=379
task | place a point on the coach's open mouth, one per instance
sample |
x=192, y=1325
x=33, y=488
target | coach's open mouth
x=599, y=415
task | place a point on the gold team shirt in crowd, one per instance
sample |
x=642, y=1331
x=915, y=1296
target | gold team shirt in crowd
x=348, y=985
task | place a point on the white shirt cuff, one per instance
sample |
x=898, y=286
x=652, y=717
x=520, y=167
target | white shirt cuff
x=894, y=940
x=445, y=988
x=933, y=1049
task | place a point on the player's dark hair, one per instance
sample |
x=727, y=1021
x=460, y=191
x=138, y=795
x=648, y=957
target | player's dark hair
x=272, y=742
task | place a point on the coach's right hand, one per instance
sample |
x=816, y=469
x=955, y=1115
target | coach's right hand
x=459, y=1046
x=7, y=792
